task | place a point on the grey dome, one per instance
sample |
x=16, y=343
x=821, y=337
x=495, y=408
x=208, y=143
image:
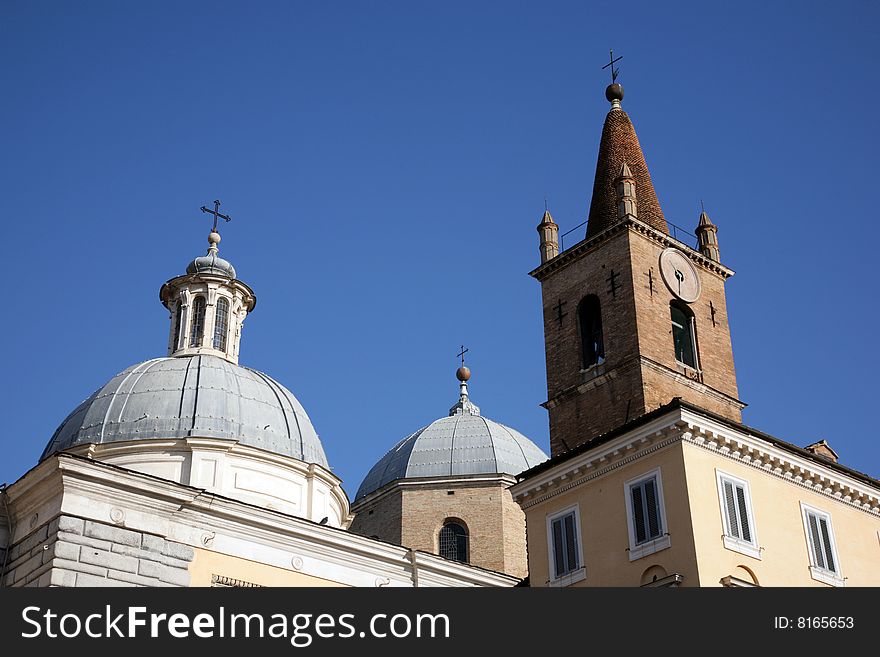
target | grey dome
x=206, y=396
x=463, y=443
x=211, y=264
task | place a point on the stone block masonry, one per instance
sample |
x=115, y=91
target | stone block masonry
x=73, y=552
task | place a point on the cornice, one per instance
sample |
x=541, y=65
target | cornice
x=192, y=444
x=583, y=247
x=683, y=425
x=758, y=453
x=417, y=483
x=204, y=520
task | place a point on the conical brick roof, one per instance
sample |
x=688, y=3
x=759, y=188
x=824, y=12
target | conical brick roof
x=620, y=145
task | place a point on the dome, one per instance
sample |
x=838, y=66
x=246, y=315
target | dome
x=211, y=264
x=205, y=396
x=463, y=443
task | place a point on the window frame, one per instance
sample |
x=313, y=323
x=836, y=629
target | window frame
x=692, y=330
x=467, y=539
x=749, y=548
x=575, y=574
x=192, y=342
x=595, y=305
x=221, y=332
x=819, y=573
x=178, y=325
x=664, y=540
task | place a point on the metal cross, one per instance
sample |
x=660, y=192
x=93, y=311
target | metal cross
x=650, y=275
x=217, y=215
x=713, y=311
x=462, y=353
x=559, y=313
x=614, y=71
x=612, y=280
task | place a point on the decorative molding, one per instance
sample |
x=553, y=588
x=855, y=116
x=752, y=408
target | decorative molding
x=703, y=432
x=672, y=581
x=224, y=581
x=296, y=562
x=117, y=515
x=88, y=489
x=475, y=481
x=665, y=240
x=598, y=472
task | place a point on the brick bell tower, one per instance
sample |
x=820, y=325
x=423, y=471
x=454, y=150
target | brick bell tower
x=633, y=317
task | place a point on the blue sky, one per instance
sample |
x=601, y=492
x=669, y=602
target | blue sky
x=386, y=165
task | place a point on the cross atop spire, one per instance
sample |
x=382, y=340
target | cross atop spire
x=614, y=71
x=217, y=214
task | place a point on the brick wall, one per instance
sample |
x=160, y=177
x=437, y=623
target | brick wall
x=380, y=519
x=413, y=517
x=640, y=371
x=70, y=551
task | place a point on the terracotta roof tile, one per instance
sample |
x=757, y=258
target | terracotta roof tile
x=620, y=145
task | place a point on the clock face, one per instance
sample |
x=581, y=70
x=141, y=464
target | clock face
x=680, y=275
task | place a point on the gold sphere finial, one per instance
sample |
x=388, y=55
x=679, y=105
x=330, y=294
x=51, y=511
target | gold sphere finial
x=462, y=374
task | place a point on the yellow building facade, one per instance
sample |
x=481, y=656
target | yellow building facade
x=808, y=520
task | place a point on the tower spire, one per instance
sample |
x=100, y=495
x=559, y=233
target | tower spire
x=620, y=145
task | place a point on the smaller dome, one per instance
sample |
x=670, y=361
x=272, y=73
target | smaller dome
x=463, y=443
x=211, y=264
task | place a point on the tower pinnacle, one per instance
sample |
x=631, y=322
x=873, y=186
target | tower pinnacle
x=549, y=232
x=707, y=237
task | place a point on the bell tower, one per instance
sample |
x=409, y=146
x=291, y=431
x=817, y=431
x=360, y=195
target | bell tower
x=633, y=316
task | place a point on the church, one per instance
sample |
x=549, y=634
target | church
x=193, y=470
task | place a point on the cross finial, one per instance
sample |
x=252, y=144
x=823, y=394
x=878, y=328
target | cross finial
x=702, y=208
x=462, y=353
x=614, y=71
x=217, y=215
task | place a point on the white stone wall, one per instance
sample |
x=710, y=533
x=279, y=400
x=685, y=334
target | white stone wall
x=70, y=551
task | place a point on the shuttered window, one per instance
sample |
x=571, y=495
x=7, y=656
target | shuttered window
x=563, y=531
x=737, y=514
x=646, y=519
x=820, y=540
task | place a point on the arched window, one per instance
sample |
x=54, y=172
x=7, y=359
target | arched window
x=454, y=541
x=592, y=344
x=221, y=323
x=177, y=322
x=684, y=335
x=197, y=322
